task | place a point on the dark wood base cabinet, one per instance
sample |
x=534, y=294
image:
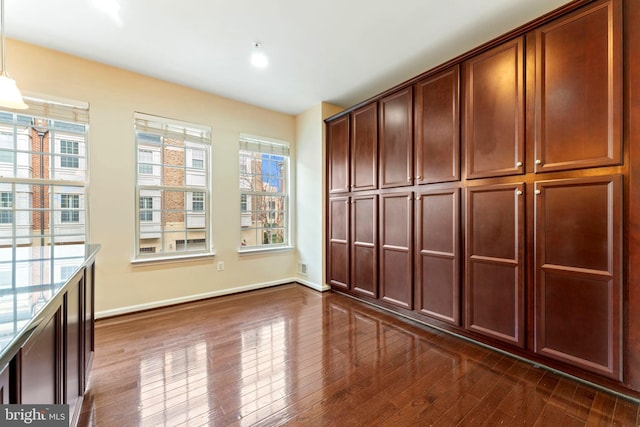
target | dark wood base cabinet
x=53, y=365
x=49, y=357
x=518, y=224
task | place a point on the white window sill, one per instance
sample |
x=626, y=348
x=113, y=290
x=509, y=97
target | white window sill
x=172, y=259
x=260, y=250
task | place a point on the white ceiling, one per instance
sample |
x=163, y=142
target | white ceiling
x=338, y=51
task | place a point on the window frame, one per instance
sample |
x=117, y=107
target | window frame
x=165, y=137
x=36, y=133
x=250, y=146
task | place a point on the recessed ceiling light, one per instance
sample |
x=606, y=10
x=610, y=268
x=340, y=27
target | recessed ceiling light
x=258, y=58
x=110, y=7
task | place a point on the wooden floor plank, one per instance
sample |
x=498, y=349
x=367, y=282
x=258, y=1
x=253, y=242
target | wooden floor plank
x=292, y=356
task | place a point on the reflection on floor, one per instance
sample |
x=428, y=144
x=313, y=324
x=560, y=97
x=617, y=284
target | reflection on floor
x=291, y=355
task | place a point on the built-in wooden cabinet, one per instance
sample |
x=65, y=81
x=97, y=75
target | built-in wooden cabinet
x=494, y=116
x=437, y=254
x=578, y=291
x=503, y=205
x=578, y=89
x=89, y=315
x=396, y=240
x=494, y=245
x=338, y=242
x=437, y=128
x=364, y=148
x=52, y=362
x=396, y=139
x=338, y=156
x=73, y=326
x=364, y=245
x=39, y=364
x=352, y=264
x=352, y=156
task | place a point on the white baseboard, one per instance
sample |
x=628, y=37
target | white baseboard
x=189, y=298
x=319, y=288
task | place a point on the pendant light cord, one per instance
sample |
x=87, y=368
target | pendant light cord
x=2, y=34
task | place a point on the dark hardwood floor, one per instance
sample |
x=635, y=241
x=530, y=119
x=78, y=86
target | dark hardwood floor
x=291, y=355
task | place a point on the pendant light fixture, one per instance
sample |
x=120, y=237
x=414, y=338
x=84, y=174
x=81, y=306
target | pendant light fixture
x=10, y=96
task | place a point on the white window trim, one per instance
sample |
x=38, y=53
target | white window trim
x=287, y=245
x=200, y=134
x=60, y=110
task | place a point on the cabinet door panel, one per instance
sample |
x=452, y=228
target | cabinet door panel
x=364, y=148
x=579, y=90
x=364, y=245
x=494, y=111
x=396, y=139
x=338, y=251
x=338, y=155
x=437, y=261
x=395, y=249
x=73, y=347
x=578, y=298
x=494, y=279
x=40, y=376
x=89, y=321
x=437, y=124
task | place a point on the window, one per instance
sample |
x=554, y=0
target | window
x=264, y=193
x=145, y=160
x=43, y=173
x=69, y=147
x=197, y=159
x=172, y=188
x=197, y=203
x=146, y=209
x=6, y=204
x=243, y=202
x=70, y=203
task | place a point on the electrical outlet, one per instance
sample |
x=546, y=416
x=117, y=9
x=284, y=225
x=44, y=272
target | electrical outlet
x=302, y=268
x=220, y=265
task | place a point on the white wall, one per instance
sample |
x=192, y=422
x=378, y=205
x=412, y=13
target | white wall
x=310, y=166
x=114, y=95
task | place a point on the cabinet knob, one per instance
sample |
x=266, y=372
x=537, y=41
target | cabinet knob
x=419, y=177
x=519, y=192
x=418, y=197
x=408, y=178
x=518, y=164
x=538, y=162
x=538, y=192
